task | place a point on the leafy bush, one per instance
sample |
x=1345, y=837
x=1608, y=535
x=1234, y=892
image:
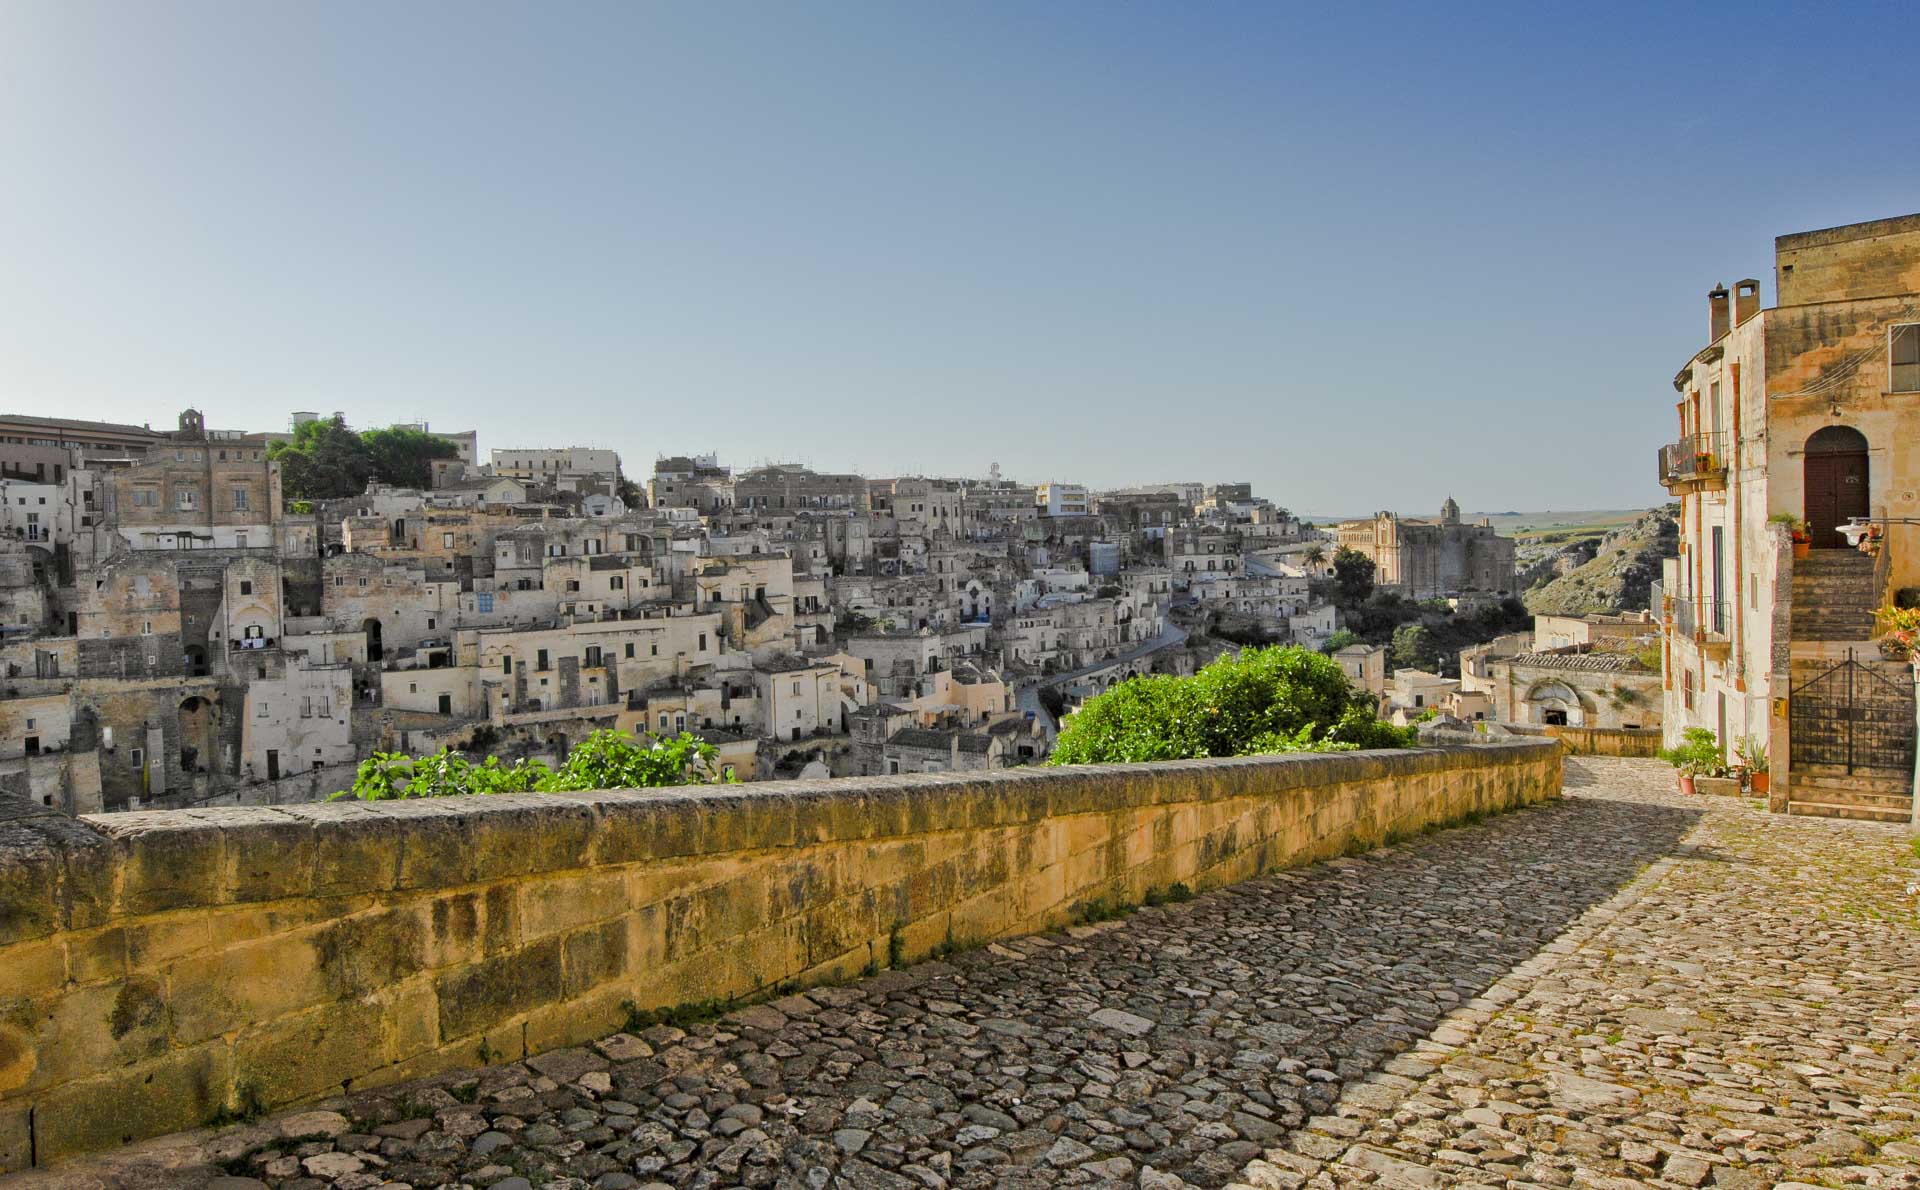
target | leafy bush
x=1698, y=753
x=1340, y=640
x=1282, y=699
x=607, y=759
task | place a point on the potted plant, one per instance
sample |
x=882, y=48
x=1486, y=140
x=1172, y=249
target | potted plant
x=1753, y=756
x=1796, y=532
x=1697, y=758
x=1900, y=629
x=1873, y=539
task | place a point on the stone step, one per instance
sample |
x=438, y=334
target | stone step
x=1864, y=813
x=1832, y=778
x=1827, y=796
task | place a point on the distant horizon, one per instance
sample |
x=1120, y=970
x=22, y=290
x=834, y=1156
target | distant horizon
x=1356, y=256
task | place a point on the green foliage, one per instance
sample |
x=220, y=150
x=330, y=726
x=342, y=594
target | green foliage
x=678, y=1015
x=630, y=494
x=1352, y=576
x=327, y=461
x=1414, y=647
x=1647, y=657
x=1281, y=699
x=1752, y=752
x=1340, y=640
x=1698, y=753
x=607, y=759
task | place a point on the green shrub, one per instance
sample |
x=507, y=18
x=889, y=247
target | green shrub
x=1698, y=753
x=1281, y=699
x=607, y=759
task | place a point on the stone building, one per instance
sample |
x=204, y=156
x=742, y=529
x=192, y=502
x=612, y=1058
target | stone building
x=1808, y=410
x=1434, y=559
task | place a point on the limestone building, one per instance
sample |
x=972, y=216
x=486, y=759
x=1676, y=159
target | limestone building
x=1434, y=559
x=1807, y=411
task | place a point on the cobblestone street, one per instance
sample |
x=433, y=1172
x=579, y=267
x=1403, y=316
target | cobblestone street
x=1624, y=988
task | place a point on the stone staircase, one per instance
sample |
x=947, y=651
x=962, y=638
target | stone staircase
x=1833, y=795
x=1834, y=597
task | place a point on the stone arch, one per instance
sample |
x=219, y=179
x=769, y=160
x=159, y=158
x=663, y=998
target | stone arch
x=1835, y=483
x=1554, y=702
x=197, y=722
x=375, y=650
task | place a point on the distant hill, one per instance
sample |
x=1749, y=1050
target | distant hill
x=1514, y=524
x=1596, y=566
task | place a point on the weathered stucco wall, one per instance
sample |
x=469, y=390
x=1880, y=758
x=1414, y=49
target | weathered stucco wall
x=156, y=967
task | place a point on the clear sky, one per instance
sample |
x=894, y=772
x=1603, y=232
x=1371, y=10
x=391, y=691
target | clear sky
x=1362, y=256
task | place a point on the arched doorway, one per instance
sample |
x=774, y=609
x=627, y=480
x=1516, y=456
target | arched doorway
x=196, y=735
x=1836, y=483
x=372, y=628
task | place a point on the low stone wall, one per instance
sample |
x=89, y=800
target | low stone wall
x=158, y=967
x=1601, y=741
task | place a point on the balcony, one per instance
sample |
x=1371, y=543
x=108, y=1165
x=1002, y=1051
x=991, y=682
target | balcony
x=1697, y=463
x=1708, y=621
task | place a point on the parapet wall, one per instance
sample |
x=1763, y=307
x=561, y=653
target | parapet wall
x=158, y=967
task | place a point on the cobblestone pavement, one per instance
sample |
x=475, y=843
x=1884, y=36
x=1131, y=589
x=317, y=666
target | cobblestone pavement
x=1621, y=989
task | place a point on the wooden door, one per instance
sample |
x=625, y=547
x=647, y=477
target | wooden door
x=1836, y=490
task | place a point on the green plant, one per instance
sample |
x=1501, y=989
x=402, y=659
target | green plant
x=896, y=948
x=1901, y=628
x=1279, y=699
x=607, y=759
x=1698, y=754
x=1752, y=754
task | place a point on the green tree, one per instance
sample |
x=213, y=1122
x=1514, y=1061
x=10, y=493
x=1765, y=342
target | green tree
x=1340, y=640
x=607, y=759
x=325, y=460
x=403, y=457
x=1279, y=699
x=1352, y=576
x=1413, y=647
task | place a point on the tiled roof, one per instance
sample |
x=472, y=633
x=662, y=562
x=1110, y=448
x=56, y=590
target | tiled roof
x=1592, y=662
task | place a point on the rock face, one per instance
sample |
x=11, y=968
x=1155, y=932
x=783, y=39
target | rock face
x=1616, y=576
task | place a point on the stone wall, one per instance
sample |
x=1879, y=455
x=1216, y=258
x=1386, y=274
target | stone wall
x=1601, y=741
x=160, y=966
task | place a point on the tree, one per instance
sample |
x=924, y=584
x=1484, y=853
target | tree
x=1281, y=699
x=1340, y=640
x=1315, y=555
x=630, y=494
x=325, y=460
x=1413, y=647
x=403, y=457
x=1352, y=576
x=607, y=759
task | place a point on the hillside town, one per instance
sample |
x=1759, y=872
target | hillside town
x=179, y=631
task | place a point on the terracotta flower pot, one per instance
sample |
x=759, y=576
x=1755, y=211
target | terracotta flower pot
x=1757, y=782
x=1802, y=548
x=1686, y=785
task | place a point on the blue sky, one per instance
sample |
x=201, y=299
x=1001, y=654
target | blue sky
x=1364, y=256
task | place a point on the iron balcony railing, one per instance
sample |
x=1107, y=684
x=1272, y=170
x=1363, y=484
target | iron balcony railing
x=1700, y=617
x=1695, y=457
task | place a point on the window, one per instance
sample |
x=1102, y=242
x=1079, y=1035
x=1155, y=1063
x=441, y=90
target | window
x=483, y=601
x=260, y=711
x=306, y=707
x=540, y=661
x=653, y=650
x=186, y=500
x=703, y=642
x=1904, y=358
x=446, y=540
x=246, y=586
x=242, y=500
x=796, y=690
x=629, y=649
x=146, y=628
x=325, y=707
x=506, y=665
x=617, y=583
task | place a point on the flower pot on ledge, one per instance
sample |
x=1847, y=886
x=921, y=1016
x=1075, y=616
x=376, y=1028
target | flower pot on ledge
x=1802, y=548
x=1757, y=783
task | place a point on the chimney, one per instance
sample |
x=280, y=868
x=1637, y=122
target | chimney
x=1746, y=300
x=1717, y=313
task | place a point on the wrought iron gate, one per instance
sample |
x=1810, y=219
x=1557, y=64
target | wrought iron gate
x=1855, y=718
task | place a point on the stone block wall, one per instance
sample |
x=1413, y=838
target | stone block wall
x=156, y=967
